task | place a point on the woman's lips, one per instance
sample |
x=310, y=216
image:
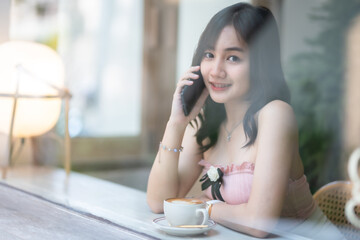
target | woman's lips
x=219, y=86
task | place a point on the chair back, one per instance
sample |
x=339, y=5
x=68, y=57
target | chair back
x=331, y=199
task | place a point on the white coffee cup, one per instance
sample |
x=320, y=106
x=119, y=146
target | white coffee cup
x=185, y=211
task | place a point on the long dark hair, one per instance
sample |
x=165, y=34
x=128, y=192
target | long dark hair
x=257, y=27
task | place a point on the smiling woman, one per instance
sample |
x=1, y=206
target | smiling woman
x=229, y=59
x=261, y=179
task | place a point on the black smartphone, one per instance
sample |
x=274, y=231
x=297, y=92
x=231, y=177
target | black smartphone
x=190, y=94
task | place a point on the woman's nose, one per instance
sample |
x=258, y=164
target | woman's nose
x=217, y=70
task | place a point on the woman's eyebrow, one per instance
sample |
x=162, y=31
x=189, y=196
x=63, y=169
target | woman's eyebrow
x=234, y=49
x=229, y=49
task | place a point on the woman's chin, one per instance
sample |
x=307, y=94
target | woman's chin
x=218, y=99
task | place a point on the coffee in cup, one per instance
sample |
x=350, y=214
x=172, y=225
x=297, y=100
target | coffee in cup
x=185, y=211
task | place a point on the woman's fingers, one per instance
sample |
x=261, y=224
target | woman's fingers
x=182, y=84
x=185, y=79
x=190, y=73
x=194, y=69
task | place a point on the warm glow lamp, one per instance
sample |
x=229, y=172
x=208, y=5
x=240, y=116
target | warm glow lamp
x=31, y=92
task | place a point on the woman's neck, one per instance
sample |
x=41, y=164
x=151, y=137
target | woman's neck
x=235, y=112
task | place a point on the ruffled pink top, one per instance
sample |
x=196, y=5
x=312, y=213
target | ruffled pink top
x=236, y=189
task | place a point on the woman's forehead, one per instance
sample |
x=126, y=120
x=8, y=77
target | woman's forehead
x=229, y=38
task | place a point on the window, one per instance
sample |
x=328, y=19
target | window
x=101, y=44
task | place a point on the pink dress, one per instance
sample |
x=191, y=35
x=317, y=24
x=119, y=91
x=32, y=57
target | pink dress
x=300, y=214
x=236, y=189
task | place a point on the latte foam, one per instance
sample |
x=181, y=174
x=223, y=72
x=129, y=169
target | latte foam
x=184, y=201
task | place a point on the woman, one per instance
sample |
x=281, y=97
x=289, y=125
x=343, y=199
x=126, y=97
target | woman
x=244, y=127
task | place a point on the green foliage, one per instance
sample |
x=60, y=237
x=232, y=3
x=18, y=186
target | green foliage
x=316, y=81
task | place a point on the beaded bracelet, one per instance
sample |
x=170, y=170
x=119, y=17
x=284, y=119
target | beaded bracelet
x=170, y=149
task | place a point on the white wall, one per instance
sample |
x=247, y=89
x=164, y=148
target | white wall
x=193, y=17
x=4, y=20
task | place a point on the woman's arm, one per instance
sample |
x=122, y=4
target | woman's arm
x=276, y=148
x=173, y=173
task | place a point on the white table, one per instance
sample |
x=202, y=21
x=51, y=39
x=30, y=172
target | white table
x=112, y=204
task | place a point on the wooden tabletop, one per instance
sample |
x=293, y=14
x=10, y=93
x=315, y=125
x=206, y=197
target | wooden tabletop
x=42, y=203
x=27, y=216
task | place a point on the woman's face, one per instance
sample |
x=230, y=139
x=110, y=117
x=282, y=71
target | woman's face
x=225, y=68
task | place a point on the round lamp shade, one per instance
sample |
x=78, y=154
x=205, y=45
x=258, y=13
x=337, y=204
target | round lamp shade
x=36, y=71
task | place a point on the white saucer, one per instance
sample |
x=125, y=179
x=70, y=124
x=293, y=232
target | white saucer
x=163, y=225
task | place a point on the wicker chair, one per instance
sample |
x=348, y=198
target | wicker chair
x=332, y=198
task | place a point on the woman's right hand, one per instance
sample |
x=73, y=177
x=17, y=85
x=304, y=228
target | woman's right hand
x=177, y=114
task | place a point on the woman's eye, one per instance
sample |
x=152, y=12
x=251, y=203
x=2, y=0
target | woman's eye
x=208, y=55
x=234, y=59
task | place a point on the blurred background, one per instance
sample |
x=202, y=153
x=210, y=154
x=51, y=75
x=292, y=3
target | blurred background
x=123, y=57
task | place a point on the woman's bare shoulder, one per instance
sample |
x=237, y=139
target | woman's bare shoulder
x=276, y=106
x=277, y=113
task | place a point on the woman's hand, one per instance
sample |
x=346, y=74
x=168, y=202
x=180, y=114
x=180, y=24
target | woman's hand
x=177, y=114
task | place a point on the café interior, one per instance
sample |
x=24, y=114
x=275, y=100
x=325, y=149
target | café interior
x=82, y=127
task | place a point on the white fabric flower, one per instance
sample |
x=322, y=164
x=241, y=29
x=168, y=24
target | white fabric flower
x=213, y=174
